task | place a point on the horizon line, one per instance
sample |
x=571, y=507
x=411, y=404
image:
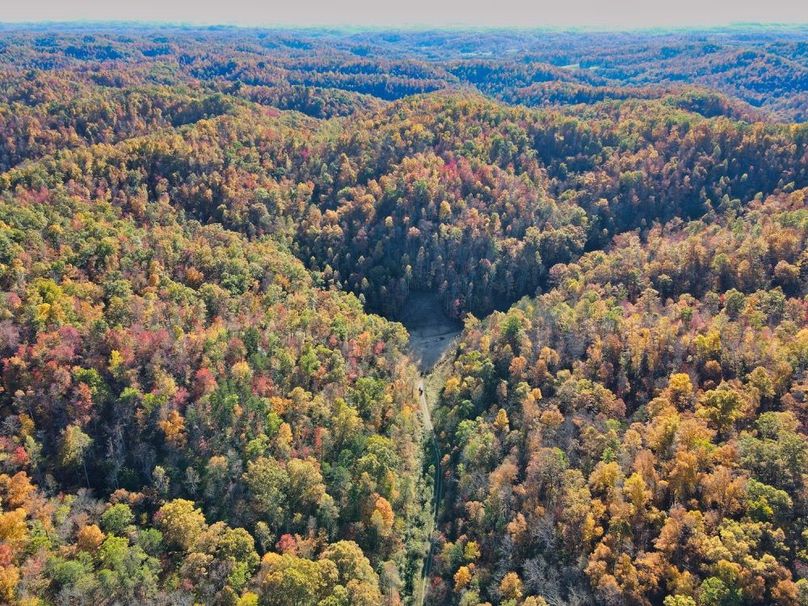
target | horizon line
x=366, y=27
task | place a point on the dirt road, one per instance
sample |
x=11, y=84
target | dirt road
x=433, y=337
x=437, y=492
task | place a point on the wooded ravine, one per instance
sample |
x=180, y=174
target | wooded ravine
x=326, y=318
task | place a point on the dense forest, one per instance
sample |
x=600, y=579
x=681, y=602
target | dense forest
x=208, y=238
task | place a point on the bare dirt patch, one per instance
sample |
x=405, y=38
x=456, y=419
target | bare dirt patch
x=432, y=332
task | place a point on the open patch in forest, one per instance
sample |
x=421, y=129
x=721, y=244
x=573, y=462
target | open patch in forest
x=432, y=332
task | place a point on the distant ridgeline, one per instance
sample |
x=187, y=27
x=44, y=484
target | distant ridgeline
x=709, y=71
x=197, y=409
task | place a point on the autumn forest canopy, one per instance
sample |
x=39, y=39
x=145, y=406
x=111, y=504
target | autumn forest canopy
x=209, y=236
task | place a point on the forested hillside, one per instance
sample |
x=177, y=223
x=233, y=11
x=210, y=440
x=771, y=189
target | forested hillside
x=637, y=432
x=206, y=239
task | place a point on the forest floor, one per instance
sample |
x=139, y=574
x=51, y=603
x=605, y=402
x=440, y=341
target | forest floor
x=433, y=337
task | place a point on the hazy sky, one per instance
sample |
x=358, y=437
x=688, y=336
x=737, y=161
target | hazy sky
x=585, y=13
